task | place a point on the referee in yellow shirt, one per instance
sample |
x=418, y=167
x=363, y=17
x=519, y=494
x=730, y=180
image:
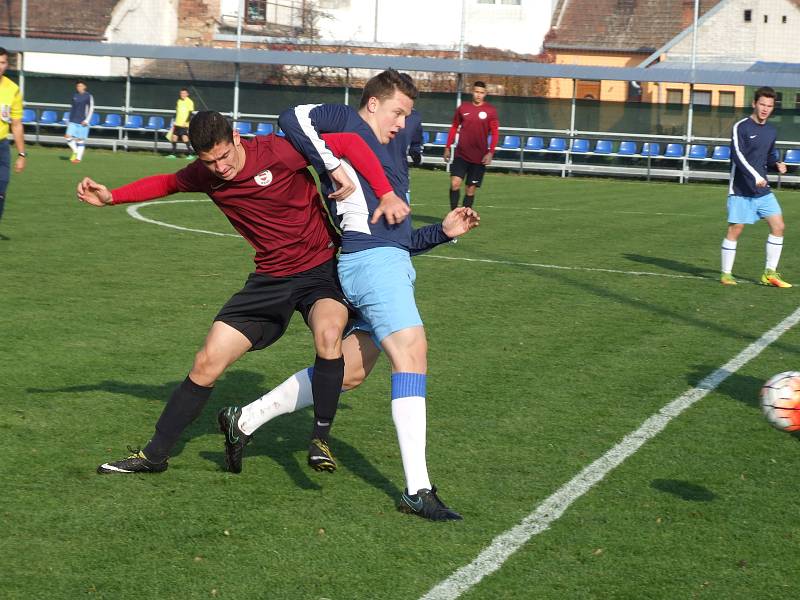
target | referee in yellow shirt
x=10, y=114
x=180, y=127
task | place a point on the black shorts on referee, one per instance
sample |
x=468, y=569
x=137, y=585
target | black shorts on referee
x=471, y=173
x=179, y=132
x=261, y=310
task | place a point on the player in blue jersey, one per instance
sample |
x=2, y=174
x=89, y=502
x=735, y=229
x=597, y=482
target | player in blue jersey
x=749, y=195
x=377, y=276
x=80, y=114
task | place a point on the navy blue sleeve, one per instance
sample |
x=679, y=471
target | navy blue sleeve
x=427, y=238
x=303, y=125
x=773, y=157
x=415, y=147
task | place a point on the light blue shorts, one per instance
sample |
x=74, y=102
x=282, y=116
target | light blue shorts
x=380, y=283
x=76, y=130
x=743, y=209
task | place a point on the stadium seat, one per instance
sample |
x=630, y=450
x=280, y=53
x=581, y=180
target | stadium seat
x=65, y=117
x=425, y=137
x=651, y=149
x=698, y=151
x=155, y=123
x=243, y=127
x=557, y=145
x=721, y=153
x=280, y=133
x=534, y=143
x=792, y=156
x=440, y=139
x=133, y=122
x=627, y=148
x=95, y=120
x=48, y=117
x=674, y=151
x=112, y=120
x=264, y=128
x=511, y=142
x=602, y=147
x=579, y=146
x=29, y=115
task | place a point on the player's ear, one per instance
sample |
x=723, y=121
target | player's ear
x=237, y=139
x=372, y=104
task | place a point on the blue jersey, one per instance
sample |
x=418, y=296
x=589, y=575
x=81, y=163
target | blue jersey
x=82, y=108
x=752, y=152
x=408, y=140
x=302, y=126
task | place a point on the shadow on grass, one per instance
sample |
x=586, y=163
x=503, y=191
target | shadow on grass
x=744, y=388
x=672, y=265
x=280, y=440
x=684, y=489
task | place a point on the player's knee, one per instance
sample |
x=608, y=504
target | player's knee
x=328, y=341
x=206, y=368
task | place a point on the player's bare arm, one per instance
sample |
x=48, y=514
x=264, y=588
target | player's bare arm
x=781, y=166
x=487, y=159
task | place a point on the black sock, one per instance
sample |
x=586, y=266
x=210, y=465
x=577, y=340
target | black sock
x=454, y=199
x=469, y=201
x=184, y=406
x=326, y=385
x=174, y=148
x=188, y=148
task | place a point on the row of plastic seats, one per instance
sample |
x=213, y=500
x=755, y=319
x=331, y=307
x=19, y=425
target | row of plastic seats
x=111, y=120
x=246, y=128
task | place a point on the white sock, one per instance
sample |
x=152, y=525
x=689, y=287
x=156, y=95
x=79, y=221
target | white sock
x=290, y=396
x=72, y=145
x=774, y=247
x=728, y=255
x=81, y=148
x=408, y=413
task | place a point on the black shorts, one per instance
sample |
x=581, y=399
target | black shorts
x=180, y=131
x=261, y=310
x=471, y=173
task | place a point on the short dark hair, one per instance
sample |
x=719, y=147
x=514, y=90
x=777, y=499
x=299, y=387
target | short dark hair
x=80, y=81
x=384, y=84
x=207, y=129
x=185, y=90
x=764, y=92
x=3, y=51
x=479, y=84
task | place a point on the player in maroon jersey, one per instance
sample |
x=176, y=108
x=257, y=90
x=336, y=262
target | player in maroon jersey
x=477, y=126
x=264, y=189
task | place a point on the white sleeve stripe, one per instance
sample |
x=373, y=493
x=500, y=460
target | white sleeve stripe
x=743, y=160
x=302, y=113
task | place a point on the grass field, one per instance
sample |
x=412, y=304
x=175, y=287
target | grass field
x=545, y=351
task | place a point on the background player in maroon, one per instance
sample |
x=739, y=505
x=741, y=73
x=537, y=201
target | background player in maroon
x=270, y=198
x=477, y=126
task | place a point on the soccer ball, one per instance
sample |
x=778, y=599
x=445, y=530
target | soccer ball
x=780, y=400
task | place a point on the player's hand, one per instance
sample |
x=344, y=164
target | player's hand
x=19, y=164
x=459, y=221
x=761, y=183
x=344, y=185
x=487, y=159
x=781, y=167
x=446, y=154
x=392, y=208
x=93, y=193
x=84, y=122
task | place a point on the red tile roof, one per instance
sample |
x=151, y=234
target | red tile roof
x=62, y=19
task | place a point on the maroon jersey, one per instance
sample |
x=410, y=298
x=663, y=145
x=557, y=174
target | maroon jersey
x=477, y=124
x=273, y=201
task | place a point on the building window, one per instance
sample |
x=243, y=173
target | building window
x=797, y=101
x=778, y=99
x=674, y=96
x=727, y=99
x=334, y=4
x=748, y=16
x=514, y=2
x=485, y=1
x=701, y=98
x=783, y=19
x=766, y=19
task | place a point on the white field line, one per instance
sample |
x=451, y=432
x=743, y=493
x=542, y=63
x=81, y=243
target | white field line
x=133, y=211
x=504, y=545
x=561, y=209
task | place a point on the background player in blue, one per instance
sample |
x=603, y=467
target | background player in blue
x=749, y=195
x=79, y=116
x=375, y=268
x=408, y=142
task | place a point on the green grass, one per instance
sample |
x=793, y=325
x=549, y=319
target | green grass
x=535, y=372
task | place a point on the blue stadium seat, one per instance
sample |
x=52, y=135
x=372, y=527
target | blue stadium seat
x=792, y=156
x=440, y=139
x=534, y=143
x=280, y=133
x=602, y=147
x=651, y=149
x=264, y=128
x=674, y=151
x=721, y=153
x=28, y=115
x=134, y=122
x=243, y=127
x=557, y=145
x=698, y=151
x=627, y=148
x=155, y=123
x=426, y=137
x=511, y=142
x=579, y=146
x=48, y=117
x=112, y=120
x=95, y=120
x=65, y=117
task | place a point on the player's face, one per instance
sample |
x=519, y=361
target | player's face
x=762, y=108
x=3, y=64
x=224, y=160
x=80, y=88
x=389, y=115
x=184, y=94
x=478, y=94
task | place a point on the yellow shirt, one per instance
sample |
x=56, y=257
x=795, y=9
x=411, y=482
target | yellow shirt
x=183, y=110
x=10, y=105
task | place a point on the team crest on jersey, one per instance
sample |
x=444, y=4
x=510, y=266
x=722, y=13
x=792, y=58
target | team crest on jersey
x=482, y=114
x=264, y=178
